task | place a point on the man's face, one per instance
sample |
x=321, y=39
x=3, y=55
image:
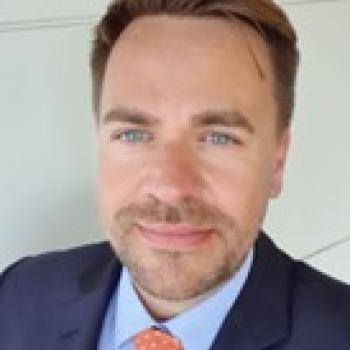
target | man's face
x=189, y=150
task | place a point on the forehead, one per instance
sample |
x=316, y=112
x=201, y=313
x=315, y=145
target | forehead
x=171, y=31
x=176, y=57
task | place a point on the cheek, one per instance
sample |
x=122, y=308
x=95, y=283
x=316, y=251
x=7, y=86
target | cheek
x=117, y=182
x=240, y=187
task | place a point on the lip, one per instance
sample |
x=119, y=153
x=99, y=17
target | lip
x=174, y=236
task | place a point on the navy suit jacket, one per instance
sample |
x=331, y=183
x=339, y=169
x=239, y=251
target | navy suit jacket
x=57, y=301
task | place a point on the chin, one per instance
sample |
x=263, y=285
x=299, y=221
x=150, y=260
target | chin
x=178, y=276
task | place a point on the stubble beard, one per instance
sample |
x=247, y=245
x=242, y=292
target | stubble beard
x=178, y=275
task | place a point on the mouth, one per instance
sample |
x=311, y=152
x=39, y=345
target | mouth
x=179, y=237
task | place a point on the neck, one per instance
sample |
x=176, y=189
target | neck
x=163, y=309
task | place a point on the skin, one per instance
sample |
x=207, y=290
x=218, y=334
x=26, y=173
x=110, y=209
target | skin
x=189, y=154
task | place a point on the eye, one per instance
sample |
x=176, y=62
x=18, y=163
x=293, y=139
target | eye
x=220, y=138
x=132, y=136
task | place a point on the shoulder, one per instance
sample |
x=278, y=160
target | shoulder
x=314, y=307
x=305, y=283
x=319, y=309
x=320, y=301
x=53, y=270
x=35, y=292
x=311, y=283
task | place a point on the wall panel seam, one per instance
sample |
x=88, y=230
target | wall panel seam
x=74, y=21
x=325, y=249
x=45, y=23
x=312, y=2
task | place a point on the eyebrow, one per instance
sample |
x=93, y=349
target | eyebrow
x=126, y=115
x=211, y=117
x=226, y=118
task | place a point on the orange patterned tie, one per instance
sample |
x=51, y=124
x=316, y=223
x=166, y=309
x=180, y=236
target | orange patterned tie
x=154, y=339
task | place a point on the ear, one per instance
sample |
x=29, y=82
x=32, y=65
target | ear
x=279, y=162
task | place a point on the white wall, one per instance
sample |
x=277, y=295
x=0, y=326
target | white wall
x=47, y=133
x=313, y=211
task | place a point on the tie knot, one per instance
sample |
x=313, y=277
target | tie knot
x=155, y=339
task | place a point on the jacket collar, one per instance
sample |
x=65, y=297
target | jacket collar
x=259, y=318
x=82, y=314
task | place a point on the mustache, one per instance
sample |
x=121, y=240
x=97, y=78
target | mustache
x=189, y=211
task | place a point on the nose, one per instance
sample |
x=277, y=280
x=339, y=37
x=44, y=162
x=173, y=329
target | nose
x=174, y=175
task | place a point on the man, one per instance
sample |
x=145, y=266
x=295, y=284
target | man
x=193, y=102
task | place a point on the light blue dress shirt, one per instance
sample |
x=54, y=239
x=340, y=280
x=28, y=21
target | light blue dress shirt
x=126, y=315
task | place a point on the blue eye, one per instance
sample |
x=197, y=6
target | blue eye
x=132, y=136
x=219, y=138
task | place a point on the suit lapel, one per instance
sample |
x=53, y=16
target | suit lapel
x=82, y=315
x=260, y=317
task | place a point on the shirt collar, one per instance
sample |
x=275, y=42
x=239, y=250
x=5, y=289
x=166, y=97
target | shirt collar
x=132, y=317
